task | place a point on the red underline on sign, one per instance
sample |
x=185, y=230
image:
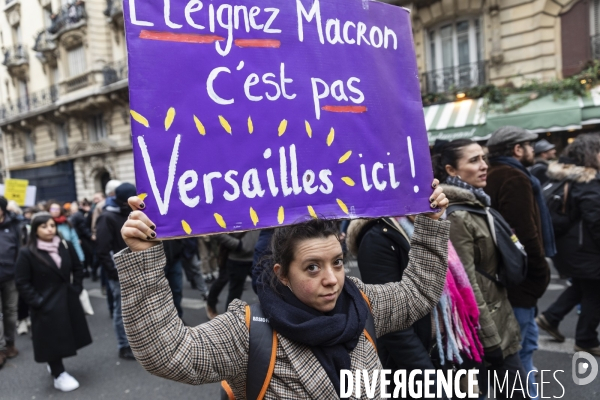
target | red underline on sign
x=347, y=109
x=180, y=37
x=270, y=43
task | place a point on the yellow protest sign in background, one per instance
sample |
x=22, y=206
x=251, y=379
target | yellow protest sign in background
x=16, y=189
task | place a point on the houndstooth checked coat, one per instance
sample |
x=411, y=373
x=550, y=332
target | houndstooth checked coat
x=218, y=350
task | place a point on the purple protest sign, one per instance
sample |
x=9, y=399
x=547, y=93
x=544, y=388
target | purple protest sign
x=252, y=114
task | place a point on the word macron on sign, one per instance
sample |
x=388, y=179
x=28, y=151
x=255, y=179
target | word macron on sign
x=247, y=116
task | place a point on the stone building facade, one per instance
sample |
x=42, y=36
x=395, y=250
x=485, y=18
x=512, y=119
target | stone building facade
x=63, y=92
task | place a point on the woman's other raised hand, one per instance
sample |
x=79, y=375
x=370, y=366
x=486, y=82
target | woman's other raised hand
x=437, y=200
x=138, y=230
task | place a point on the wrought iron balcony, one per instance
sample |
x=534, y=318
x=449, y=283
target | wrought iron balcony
x=45, y=48
x=113, y=8
x=455, y=78
x=595, y=42
x=31, y=102
x=15, y=55
x=68, y=17
x=115, y=72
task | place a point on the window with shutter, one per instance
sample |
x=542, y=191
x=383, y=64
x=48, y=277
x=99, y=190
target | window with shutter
x=454, y=58
x=76, y=59
x=97, y=128
x=575, y=33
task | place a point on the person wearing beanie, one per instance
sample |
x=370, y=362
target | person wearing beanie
x=49, y=277
x=544, y=153
x=518, y=196
x=108, y=243
x=10, y=241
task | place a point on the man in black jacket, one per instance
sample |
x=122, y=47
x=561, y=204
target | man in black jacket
x=108, y=243
x=81, y=221
x=9, y=249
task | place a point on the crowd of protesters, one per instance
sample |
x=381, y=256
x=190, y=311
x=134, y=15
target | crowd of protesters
x=459, y=315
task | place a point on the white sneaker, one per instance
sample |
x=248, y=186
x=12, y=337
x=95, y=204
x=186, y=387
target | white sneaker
x=65, y=382
x=22, y=328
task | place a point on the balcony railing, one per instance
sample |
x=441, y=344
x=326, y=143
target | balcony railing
x=113, y=7
x=595, y=42
x=115, y=72
x=77, y=82
x=28, y=103
x=68, y=16
x=15, y=55
x=43, y=43
x=455, y=78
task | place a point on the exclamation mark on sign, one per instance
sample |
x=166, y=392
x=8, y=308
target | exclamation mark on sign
x=412, y=161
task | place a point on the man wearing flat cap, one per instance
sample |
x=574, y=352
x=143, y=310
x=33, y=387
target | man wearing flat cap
x=544, y=153
x=517, y=195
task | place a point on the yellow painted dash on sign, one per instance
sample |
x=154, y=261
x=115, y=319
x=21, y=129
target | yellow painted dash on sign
x=253, y=216
x=169, y=118
x=225, y=124
x=142, y=196
x=199, y=126
x=312, y=212
x=342, y=206
x=345, y=157
x=186, y=227
x=280, y=215
x=139, y=118
x=250, y=125
x=308, y=128
x=348, y=181
x=220, y=220
x=282, y=127
x=330, y=137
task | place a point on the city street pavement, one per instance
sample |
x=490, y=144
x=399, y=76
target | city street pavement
x=103, y=375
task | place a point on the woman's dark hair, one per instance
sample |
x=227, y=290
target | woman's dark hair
x=584, y=150
x=447, y=154
x=285, y=241
x=33, y=237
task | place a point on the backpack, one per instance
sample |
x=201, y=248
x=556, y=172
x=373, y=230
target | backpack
x=263, y=349
x=512, y=268
x=556, y=195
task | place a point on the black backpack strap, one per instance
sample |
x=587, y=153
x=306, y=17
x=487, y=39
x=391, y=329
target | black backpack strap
x=261, y=357
x=370, y=325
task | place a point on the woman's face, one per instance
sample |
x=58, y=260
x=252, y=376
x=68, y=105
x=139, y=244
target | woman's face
x=55, y=210
x=47, y=231
x=471, y=166
x=316, y=275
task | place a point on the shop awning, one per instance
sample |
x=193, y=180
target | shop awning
x=544, y=114
x=460, y=119
x=590, y=107
x=467, y=119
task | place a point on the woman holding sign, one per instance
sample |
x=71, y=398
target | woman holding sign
x=320, y=317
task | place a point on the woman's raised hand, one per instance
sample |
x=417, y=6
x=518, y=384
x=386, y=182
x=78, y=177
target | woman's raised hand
x=437, y=200
x=138, y=230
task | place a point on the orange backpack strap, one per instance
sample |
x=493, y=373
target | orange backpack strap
x=370, y=333
x=226, y=392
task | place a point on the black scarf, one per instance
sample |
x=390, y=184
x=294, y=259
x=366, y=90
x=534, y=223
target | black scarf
x=331, y=336
x=546, y=219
